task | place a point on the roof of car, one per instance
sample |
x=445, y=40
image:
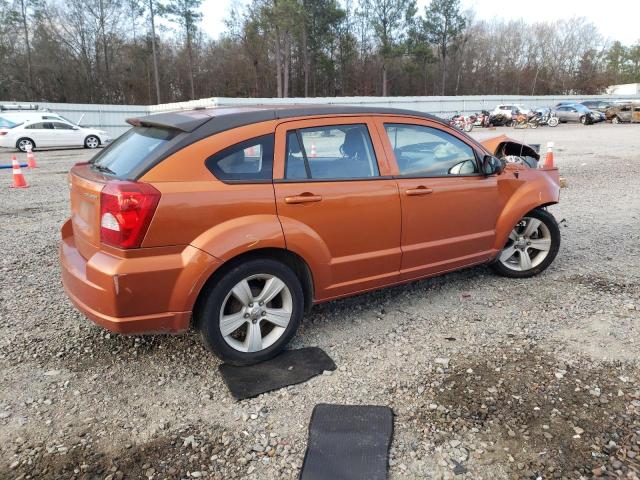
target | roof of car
x=209, y=121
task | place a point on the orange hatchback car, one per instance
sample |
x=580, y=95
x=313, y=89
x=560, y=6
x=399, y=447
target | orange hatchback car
x=238, y=220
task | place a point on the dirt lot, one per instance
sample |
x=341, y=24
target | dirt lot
x=489, y=378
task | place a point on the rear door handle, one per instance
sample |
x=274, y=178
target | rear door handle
x=421, y=190
x=303, y=198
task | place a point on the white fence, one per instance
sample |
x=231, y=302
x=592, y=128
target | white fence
x=112, y=117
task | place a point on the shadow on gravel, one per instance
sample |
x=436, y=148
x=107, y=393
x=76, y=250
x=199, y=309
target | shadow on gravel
x=601, y=284
x=170, y=457
x=541, y=417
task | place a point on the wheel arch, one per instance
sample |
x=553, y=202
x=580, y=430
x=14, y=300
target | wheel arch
x=292, y=260
x=536, y=194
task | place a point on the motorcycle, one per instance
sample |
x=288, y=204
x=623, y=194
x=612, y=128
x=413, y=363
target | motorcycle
x=499, y=120
x=547, y=117
x=461, y=123
x=481, y=119
x=523, y=120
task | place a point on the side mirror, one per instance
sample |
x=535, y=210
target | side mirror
x=492, y=165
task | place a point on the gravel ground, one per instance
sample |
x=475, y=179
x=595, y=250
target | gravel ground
x=488, y=377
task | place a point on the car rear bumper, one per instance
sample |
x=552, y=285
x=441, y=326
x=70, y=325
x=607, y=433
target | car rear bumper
x=152, y=292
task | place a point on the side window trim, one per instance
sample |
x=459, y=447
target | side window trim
x=307, y=167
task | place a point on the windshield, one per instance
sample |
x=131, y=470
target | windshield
x=131, y=150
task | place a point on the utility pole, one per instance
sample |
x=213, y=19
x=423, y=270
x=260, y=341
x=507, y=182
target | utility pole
x=153, y=49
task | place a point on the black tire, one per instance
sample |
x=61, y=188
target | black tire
x=583, y=119
x=615, y=119
x=547, y=219
x=91, y=142
x=207, y=313
x=22, y=143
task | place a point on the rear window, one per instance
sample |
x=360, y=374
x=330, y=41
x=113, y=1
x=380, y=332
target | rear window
x=6, y=123
x=131, y=150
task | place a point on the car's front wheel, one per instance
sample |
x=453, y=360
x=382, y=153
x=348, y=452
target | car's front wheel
x=615, y=119
x=252, y=312
x=91, y=142
x=25, y=144
x=531, y=247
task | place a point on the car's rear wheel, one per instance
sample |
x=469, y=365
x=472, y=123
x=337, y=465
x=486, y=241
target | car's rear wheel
x=532, y=245
x=25, y=144
x=615, y=119
x=252, y=312
x=91, y=142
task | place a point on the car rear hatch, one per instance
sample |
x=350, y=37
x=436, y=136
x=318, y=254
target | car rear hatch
x=86, y=185
x=111, y=177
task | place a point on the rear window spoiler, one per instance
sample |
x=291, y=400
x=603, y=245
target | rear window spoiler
x=173, y=121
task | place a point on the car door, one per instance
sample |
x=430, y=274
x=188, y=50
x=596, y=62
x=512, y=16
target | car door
x=449, y=209
x=563, y=114
x=338, y=205
x=41, y=133
x=66, y=135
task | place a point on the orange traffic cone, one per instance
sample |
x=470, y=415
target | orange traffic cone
x=313, y=150
x=31, y=160
x=548, y=161
x=18, y=177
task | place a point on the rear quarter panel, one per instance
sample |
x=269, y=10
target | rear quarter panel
x=196, y=208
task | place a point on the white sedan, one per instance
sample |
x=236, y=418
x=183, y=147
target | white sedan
x=51, y=134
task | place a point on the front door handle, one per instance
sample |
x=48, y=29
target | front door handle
x=421, y=190
x=303, y=198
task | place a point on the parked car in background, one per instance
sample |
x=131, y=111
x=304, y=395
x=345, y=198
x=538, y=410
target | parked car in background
x=237, y=220
x=19, y=114
x=624, y=112
x=577, y=113
x=51, y=134
x=597, y=105
x=509, y=110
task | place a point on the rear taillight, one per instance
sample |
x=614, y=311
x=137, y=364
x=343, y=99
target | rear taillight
x=3, y=133
x=126, y=209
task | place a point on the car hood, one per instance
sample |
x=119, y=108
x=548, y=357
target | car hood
x=503, y=145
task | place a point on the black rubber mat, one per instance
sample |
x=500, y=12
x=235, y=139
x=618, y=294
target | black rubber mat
x=348, y=442
x=288, y=368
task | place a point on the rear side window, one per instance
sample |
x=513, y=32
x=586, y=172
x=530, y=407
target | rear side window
x=40, y=126
x=132, y=149
x=331, y=152
x=246, y=162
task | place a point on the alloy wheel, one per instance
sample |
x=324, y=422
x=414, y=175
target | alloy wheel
x=529, y=244
x=24, y=144
x=255, y=313
x=92, y=142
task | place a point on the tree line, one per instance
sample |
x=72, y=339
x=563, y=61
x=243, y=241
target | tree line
x=155, y=51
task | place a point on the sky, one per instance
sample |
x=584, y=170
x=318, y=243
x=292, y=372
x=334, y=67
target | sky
x=616, y=19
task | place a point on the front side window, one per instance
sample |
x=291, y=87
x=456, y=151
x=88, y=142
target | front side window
x=248, y=161
x=429, y=152
x=62, y=126
x=330, y=152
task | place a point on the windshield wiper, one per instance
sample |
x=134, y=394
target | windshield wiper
x=103, y=169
